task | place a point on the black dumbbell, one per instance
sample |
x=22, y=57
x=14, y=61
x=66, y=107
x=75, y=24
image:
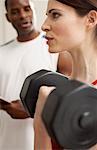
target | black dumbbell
x=30, y=88
x=74, y=123
x=70, y=110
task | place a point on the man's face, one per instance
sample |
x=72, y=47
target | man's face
x=20, y=15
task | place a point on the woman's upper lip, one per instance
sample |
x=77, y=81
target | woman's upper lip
x=49, y=37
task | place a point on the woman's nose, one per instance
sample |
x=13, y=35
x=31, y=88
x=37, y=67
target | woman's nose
x=46, y=26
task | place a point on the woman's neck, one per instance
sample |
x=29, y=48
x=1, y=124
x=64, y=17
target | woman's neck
x=84, y=65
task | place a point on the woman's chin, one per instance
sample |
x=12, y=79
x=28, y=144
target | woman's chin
x=53, y=50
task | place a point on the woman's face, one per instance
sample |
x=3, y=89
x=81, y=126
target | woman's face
x=65, y=30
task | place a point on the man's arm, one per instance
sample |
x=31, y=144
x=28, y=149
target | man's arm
x=15, y=109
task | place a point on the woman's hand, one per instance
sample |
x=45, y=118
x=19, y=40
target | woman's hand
x=42, y=139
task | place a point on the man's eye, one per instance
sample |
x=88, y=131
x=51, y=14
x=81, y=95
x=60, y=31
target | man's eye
x=28, y=8
x=14, y=12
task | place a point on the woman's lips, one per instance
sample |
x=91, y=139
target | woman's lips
x=49, y=39
x=49, y=42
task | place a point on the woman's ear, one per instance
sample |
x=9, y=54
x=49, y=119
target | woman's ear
x=92, y=19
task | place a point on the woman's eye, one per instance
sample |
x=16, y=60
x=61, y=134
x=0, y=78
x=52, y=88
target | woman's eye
x=55, y=15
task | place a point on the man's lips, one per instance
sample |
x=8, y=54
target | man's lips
x=25, y=24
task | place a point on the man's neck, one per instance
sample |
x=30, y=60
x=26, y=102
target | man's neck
x=28, y=37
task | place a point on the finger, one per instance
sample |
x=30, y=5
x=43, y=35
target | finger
x=46, y=90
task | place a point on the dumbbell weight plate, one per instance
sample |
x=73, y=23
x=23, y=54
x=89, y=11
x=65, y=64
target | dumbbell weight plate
x=25, y=94
x=53, y=103
x=30, y=89
x=75, y=122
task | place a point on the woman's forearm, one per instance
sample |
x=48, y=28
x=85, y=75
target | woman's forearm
x=42, y=139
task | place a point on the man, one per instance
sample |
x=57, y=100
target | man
x=19, y=58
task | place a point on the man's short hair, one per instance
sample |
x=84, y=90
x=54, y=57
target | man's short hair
x=6, y=3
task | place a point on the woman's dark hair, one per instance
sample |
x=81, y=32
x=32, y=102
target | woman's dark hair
x=82, y=7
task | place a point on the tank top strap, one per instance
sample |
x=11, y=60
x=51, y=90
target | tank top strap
x=94, y=82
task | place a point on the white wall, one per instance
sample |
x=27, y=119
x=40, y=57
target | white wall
x=6, y=30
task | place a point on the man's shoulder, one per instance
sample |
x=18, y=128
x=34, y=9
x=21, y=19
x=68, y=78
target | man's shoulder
x=7, y=43
x=42, y=35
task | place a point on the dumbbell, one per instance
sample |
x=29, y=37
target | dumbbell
x=70, y=111
x=74, y=123
x=31, y=85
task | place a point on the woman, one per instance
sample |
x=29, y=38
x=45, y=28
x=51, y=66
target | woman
x=70, y=25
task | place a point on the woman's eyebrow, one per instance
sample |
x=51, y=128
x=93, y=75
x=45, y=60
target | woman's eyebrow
x=52, y=10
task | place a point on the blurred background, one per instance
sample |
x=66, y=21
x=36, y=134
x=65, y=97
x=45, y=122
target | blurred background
x=7, y=32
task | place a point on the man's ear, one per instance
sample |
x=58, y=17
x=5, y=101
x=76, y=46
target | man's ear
x=92, y=19
x=7, y=17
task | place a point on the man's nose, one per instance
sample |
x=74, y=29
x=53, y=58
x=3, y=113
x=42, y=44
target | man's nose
x=22, y=14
